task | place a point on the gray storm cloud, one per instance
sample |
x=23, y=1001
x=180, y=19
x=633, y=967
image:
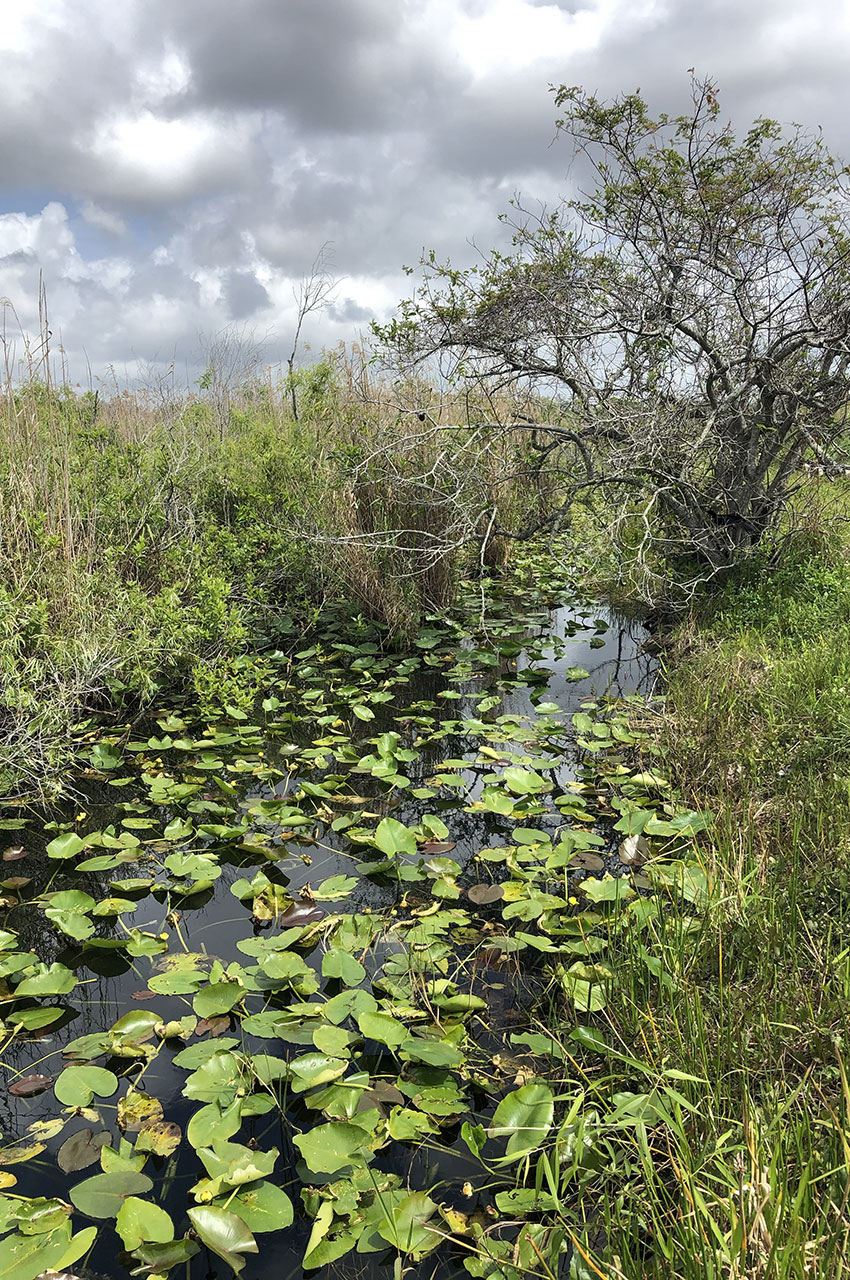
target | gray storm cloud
x=171, y=168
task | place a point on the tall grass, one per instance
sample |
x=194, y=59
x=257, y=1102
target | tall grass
x=739, y=1030
x=148, y=537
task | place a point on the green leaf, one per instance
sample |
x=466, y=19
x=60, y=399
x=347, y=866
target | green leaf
x=525, y=1117
x=216, y=1080
x=525, y=782
x=610, y=888
x=218, y=998
x=103, y=1195
x=104, y=757
x=77, y=1085
x=494, y=800
x=405, y=1226
x=313, y=1069
x=52, y=980
x=65, y=846
x=335, y=887
x=225, y=1233
x=337, y=963
x=331, y=1147
x=140, y=1222
x=384, y=1028
x=436, y=1053
x=34, y=1019
x=211, y=1122
x=392, y=837
x=25, y=1257
x=160, y=1258
x=261, y=1206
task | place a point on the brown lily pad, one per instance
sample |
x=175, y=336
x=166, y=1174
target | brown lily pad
x=29, y=1086
x=213, y=1026
x=14, y=853
x=482, y=894
x=586, y=861
x=432, y=847
x=144, y=995
x=16, y=882
x=301, y=911
x=82, y=1149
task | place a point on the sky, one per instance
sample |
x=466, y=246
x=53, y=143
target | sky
x=171, y=168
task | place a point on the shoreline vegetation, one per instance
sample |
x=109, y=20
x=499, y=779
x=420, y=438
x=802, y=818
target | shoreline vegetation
x=151, y=547
x=507, y=986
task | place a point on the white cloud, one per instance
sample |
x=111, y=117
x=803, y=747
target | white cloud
x=102, y=219
x=181, y=163
x=156, y=159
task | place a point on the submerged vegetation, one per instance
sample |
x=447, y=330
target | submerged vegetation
x=375, y=900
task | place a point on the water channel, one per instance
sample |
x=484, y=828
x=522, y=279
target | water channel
x=610, y=649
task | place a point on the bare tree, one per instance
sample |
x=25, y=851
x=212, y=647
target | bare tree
x=690, y=311
x=313, y=294
x=233, y=360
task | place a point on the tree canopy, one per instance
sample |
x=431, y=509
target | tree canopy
x=690, y=308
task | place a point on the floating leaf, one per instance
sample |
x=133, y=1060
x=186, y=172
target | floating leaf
x=140, y=1222
x=160, y=1258
x=525, y=1117
x=313, y=1069
x=160, y=1137
x=65, y=846
x=77, y=1085
x=392, y=837
x=335, y=887
x=20, y=1152
x=331, y=1147
x=383, y=1027
x=634, y=850
x=103, y=1195
x=482, y=894
x=50, y=980
x=405, y=1226
x=338, y=963
x=525, y=781
x=218, y=998
x=262, y=1207
x=29, y=1086
x=81, y=1149
x=225, y=1233
x=137, y=1109
x=302, y=911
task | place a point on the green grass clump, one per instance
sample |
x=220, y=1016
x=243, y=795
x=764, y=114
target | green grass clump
x=720, y=1145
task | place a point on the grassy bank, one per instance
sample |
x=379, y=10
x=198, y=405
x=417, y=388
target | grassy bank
x=737, y=1027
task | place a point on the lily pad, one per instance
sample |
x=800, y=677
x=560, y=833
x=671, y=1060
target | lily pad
x=103, y=1195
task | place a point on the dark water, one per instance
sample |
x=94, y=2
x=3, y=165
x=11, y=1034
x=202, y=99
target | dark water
x=617, y=667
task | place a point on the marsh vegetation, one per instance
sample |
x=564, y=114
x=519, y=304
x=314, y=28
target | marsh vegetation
x=381, y=895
